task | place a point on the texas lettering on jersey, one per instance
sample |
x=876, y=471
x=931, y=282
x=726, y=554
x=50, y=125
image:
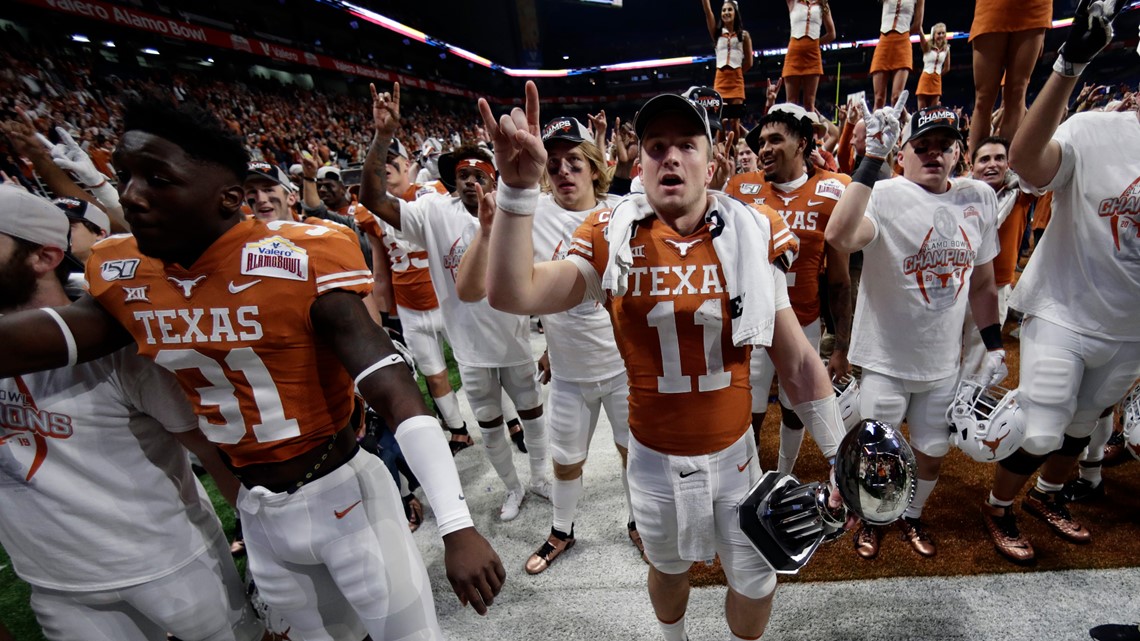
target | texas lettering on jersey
x=235, y=330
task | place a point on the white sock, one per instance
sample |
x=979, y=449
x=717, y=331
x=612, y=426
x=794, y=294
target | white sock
x=994, y=501
x=537, y=448
x=1090, y=473
x=498, y=450
x=1047, y=487
x=790, y=441
x=564, y=495
x=674, y=631
x=922, y=491
x=448, y=405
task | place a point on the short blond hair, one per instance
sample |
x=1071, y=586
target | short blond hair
x=598, y=165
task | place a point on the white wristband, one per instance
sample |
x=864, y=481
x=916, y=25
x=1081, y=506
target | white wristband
x=68, y=337
x=427, y=453
x=1068, y=69
x=825, y=423
x=520, y=202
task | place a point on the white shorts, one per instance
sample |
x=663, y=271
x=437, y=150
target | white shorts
x=335, y=558
x=484, y=387
x=573, y=412
x=761, y=370
x=425, y=334
x=733, y=471
x=922, y=403
x=202, y=601
x=1067, y=380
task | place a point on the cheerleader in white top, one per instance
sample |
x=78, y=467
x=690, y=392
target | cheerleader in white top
x=935, y=62
x=803, y=65
x=733, y=53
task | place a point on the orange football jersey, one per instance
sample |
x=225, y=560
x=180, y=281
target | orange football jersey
x=235, y=330
x=806, y=211
x=688, y=383
x=411, y=280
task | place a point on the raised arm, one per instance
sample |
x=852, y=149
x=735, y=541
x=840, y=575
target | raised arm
x=35, y=340
x=374, y=175
x=471, y=277
x=710, y=19
x=514, y=283
x=919, y=16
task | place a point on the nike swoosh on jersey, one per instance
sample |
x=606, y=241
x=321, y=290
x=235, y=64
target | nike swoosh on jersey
x=237, y=289
x=341, y=514
x=813, y=203
x=740, y=468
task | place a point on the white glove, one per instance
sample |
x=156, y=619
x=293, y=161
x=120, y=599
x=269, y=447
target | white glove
x=992, y=370
x=883, y=127
x=70, y=157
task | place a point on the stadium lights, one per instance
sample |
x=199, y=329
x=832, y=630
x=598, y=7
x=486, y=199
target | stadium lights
x=110, y=44
x=80, y=38
x=419, y=36
x=153, y=52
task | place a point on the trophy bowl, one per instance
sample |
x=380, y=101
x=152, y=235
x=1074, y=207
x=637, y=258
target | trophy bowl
x=876, y=472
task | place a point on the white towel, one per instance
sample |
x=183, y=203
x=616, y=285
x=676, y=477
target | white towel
x=693, y=498
x=740, y=234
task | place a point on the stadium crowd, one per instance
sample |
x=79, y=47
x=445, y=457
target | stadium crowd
x=224, y=245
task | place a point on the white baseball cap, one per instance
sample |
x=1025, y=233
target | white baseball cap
x=329, y=173
x=29, y=217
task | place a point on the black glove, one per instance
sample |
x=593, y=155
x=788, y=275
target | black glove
x=1091, y=32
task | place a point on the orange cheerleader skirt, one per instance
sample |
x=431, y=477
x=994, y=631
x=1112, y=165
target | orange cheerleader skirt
x=929, y=84
x=729, y=83
x=893, y=52
x=803, y=59
x=1008, y=16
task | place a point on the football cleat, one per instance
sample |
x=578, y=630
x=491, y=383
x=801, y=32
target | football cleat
x=1078, y=490
x=986, y=422
x=1048, y=508
x=555, y=544
x=511, y=505
x=915, y=533
x=1001, y=525
x=867, y=540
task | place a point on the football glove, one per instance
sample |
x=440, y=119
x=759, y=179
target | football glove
x=1091, y=32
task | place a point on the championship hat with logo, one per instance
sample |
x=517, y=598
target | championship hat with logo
x=81, y=210
x=710, y=99
x=931, y=119
x=565, y=128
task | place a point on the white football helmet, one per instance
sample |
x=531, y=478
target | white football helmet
x=1132, y=422
x=847, y=397
x=986, y=422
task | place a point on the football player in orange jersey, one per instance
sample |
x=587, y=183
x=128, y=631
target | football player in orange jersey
x=783, y=140
x=263, y=327
x=687, y=303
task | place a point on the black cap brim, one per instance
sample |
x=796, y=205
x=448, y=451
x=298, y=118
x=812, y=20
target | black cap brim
x=670, y=103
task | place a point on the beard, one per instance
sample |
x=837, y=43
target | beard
x=17, y=282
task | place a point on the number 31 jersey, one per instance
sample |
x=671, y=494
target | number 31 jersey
x=235, y=330
x=688, y=383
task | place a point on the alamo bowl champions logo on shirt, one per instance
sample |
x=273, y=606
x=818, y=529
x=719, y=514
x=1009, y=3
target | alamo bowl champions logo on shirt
x=1123, y=213
x=942, y=261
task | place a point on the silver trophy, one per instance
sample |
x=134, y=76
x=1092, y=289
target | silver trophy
x=786, y=520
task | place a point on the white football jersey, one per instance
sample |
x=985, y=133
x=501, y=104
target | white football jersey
x=480, y=335
x=95, y=492
x=1085, y=273
x=915, y=286
x=581, y=339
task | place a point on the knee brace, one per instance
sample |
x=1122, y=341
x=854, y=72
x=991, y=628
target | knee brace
x=1074, y=445
x=1022, y=462
x=790, y=419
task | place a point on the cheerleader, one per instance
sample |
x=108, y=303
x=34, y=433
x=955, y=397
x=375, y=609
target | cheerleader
x=890, y=66
x=935, y=62
x=1007, y=37
x=803, y=65
x=733, y=53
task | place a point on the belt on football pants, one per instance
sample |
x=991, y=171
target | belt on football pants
x=289, y=476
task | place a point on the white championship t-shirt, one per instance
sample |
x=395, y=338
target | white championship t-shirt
x=95, y=492
x=1085, y=272
x=480, y=335
x=916, y=276
x=581, y=339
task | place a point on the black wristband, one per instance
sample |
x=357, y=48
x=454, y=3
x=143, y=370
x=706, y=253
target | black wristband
x=869, y=172
x=991, y=337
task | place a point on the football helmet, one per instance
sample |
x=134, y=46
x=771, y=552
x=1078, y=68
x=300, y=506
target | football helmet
x=986, y=422
x=1131, y=406
x=847, y=397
